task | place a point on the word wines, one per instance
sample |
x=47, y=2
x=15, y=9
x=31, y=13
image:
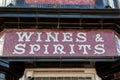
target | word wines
x=46, y=43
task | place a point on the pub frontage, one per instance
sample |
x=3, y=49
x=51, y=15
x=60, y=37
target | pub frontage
x=59, y=40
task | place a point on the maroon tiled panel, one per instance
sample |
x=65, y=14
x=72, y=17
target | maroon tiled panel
x=46, y=42
x=84, y=2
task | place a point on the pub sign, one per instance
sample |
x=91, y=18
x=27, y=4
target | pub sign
x=56, y=42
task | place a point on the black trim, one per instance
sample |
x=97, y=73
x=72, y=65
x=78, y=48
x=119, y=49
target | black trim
x=59, y=13
x=47, y=58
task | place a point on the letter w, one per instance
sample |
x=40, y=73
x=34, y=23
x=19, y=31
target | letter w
x=24, y=36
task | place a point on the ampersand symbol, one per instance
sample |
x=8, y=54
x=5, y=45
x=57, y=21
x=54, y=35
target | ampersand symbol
x=99, y=38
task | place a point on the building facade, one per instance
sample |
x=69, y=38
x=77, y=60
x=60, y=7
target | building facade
x=59, y=39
